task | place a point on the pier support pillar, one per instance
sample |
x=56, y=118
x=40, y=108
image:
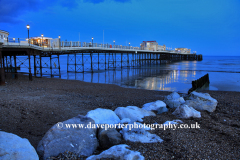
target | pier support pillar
x=83, y=62
x=105, y=61
x=2, y=71
x=40, y=65
x=15, y=64
x=75, y=56
x=59, y=69
x=35, y=68
x=121, y=59
x=51, y=66
x=2, y=76
x=98, y=61
x=29, y=60
x=91, y=62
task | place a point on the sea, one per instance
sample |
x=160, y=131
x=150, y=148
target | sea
x=224, y=74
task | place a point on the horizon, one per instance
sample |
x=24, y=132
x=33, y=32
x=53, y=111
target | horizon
x=209, y=27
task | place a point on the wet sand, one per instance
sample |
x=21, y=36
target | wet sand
x=29, y=108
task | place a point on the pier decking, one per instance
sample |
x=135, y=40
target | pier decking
x=81, y=58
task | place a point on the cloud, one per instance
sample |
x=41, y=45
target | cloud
x=10, y=10
x=69, y=3
x=94, y=1
x=99, y=1
x=123, y=1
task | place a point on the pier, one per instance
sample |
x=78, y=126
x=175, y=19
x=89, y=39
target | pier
x=81, y=57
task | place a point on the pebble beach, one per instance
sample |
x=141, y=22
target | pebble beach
x=30, y=108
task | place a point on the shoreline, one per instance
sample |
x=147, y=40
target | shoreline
x=30, y=108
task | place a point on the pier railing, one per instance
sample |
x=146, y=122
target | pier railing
x=65, y=44
x=57, y=44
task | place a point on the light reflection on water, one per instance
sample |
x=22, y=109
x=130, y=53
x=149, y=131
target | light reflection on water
x=224, y=74
x=177, y=76
x=144, y=78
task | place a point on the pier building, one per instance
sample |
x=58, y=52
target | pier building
x=3, y=36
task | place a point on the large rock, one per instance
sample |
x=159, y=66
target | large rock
x=202, y=101
x=153, y=106
x=162, y=110
x=138, y=133
x=133, y=113
x=119, y=152
x=108, y=137
x=70, y=136
x=177, y=121
x=174, y=100
x=103, y=116
x=184, y=111
x=125, y=120
x=14, y=147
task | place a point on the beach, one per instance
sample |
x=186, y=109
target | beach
x=30, y=108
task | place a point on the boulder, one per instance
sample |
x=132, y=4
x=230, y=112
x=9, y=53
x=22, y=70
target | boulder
x=140, y=125
x=119, y=152
x=184, y=111
x=201, y=101
x=133, y=113
x=162, y=110
x=108, y=137
x=103, y=116
x=177, y=121
x=138, y=133
x=174, y=100
x=125, y=120
x=153, y=106
x=70, y=136
x=14, y=147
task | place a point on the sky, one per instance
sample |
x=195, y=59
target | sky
x=210, y=27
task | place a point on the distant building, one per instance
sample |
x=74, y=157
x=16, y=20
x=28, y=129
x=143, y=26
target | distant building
x=149, y=45
x=162, y=48
x=152, y=45
x=3, y=35
x=183, y=50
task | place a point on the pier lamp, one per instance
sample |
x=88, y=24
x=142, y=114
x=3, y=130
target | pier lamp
x=28, y=34
x=129, y=45
x=92, y=41
x=42, y=40
x=14, y=40
x=114, y=43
